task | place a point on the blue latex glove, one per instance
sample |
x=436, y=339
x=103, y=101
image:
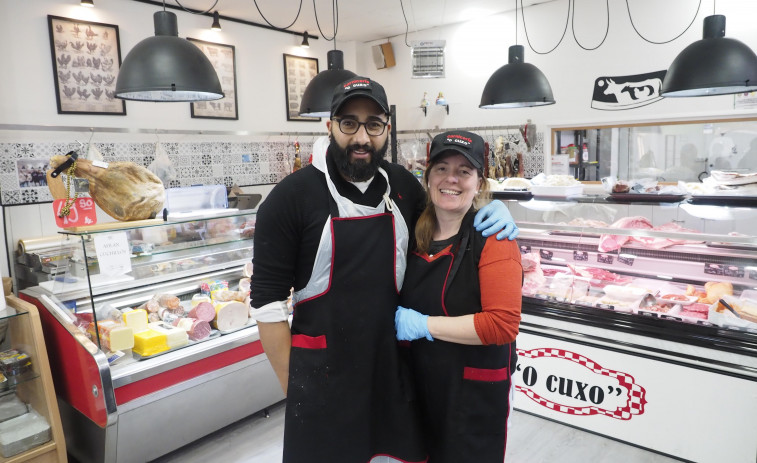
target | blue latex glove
x=497, y=217
x=411, y=325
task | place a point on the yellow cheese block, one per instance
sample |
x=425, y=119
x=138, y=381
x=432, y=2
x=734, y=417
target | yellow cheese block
x=136, y=319
x=175, y=337
x=149, y=342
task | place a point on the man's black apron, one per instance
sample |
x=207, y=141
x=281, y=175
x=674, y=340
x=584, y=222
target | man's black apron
x=463, y=390
x=347, y=400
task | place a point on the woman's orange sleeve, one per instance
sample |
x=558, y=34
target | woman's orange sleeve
x=501, y=279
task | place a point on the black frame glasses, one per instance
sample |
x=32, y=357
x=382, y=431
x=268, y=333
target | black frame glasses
x=373, y=128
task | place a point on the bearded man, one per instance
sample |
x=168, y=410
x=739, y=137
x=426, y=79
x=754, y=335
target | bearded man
x=337, y=232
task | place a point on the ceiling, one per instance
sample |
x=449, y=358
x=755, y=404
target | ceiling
x=359, y=20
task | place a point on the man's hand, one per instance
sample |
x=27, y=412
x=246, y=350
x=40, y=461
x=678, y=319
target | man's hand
x=495, y=217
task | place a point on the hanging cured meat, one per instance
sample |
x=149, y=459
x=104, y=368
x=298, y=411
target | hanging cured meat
x=124, y=190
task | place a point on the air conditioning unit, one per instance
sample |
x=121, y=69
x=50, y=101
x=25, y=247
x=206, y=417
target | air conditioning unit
x=383, y=56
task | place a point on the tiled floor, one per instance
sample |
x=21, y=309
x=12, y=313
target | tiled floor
x=257, y=439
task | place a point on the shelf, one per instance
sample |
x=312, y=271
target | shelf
x=13, y=382
x=10, y=312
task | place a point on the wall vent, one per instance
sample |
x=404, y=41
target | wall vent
x=428, y=59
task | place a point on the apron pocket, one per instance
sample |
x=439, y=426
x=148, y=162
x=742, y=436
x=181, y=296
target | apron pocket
x=309, y=342
x=483, y=405
x=308, y=389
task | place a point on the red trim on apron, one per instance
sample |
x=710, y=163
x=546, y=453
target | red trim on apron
x=309, y=342
x=485, y=374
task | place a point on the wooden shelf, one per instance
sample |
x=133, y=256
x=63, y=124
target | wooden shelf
x=25, y=333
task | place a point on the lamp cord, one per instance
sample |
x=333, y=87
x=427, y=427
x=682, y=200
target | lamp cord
x=285, y=27
x=407, y=26
x=335, y=18
x=567, y=20
x=573, y=27
x=192, y=11
x=628, y=7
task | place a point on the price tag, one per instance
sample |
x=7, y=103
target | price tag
x=81, y=212
x=101, y=164
x=525, y=249
x=628, y=260
x=713, y=269
x=733, y=271
x=604, y=258
x=113, y=253
x=545, y=255
x=581, y=256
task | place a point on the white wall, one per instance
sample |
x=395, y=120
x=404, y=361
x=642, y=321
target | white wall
x=27, y=93
x=475, y=49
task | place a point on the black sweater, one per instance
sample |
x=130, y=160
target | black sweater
x=290, y=221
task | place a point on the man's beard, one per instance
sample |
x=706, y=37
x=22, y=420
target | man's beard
x=357, y=170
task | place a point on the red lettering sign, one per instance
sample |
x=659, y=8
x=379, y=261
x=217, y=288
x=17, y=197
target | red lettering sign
x=81, y=212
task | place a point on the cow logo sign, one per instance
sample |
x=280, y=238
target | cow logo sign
x=573, y=384
x=627, y=92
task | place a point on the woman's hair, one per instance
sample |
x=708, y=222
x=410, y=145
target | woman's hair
x=424, y=228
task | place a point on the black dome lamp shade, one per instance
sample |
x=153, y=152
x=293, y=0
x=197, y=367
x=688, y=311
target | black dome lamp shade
x=516, y=85
x=167, y=68
x=715, y=65
x=316, y=101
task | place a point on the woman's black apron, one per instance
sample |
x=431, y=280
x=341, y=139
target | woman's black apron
x=349, y=398
x=463, y=390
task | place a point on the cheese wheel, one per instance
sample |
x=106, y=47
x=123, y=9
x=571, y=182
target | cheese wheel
x=175, y=337
x=136, y=319
x=230, y=315
x=203, y=311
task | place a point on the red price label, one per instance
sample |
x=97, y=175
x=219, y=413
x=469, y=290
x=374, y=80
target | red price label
x=82, y=212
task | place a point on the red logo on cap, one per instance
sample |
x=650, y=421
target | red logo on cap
x=459, y=139
x=357, y=83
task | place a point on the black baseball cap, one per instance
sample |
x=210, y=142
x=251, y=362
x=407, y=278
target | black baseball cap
x=358, y=86
x=468, y=144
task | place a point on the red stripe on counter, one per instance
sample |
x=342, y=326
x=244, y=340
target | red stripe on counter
x=183, y=373
x=485, y=374
x=309, y=342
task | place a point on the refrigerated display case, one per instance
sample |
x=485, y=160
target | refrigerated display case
x=121, y=401
x=625, y=330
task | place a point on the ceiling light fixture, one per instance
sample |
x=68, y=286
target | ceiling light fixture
x=305, y=43
x=316, y=101
x=88, y=3
x=715, y=65
x=517, y=84
x=167, y=68
x=216, y=26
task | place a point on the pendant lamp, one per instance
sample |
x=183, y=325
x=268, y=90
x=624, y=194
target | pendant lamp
x=715, y=65
x=516, y=85
x=167, y=68
x=216, y=26
x=88, y=3
x=316, y=101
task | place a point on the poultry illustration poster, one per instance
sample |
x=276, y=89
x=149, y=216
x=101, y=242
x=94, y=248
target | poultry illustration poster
x=86, y=59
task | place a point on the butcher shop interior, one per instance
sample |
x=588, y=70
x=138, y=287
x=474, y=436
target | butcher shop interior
x=141, y=139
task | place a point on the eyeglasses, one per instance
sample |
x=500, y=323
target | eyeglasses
x=374, y=128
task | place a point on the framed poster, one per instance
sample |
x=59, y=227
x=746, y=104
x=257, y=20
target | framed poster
x=86, y=59
x=223, y=59
x=298, y=72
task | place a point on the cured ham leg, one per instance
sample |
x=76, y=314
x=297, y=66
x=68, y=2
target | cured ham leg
x=124, y=190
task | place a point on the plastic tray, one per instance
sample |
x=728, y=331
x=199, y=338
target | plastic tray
x=557, y=191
